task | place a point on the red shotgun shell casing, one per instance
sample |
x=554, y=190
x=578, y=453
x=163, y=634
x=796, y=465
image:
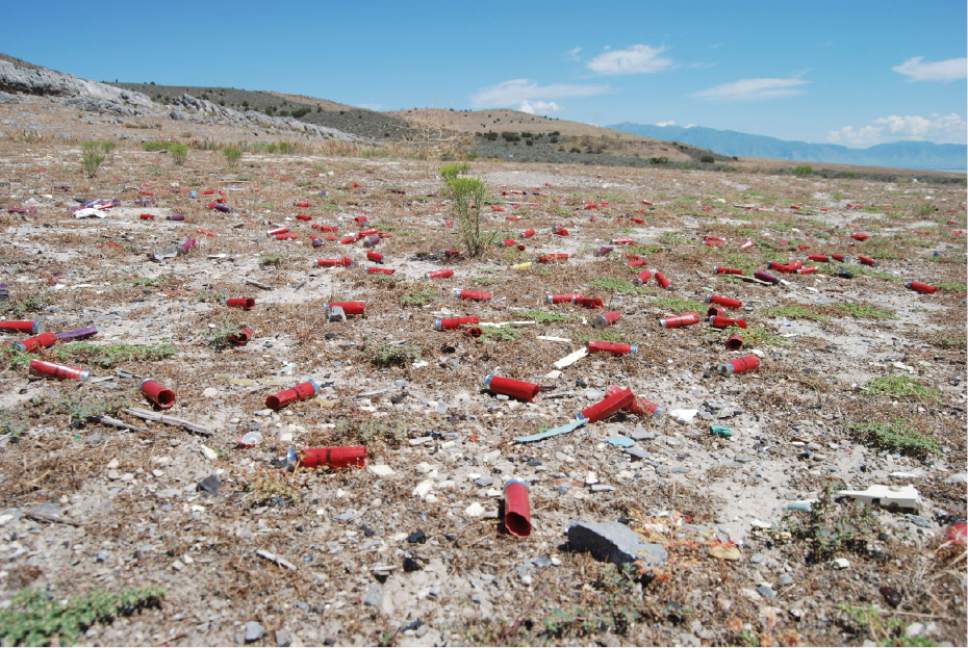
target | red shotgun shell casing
x=473, y=295
x=242, y=337
x=339, y=457
x=866, y=260
x=590, y=302
x=781, y=267
x=553, y=257
x=807, y=270
x=25, y=326
x=740, y=365
x=923, y=288
x=562, y=298
x=58, y=370
x=725, y=270
x=332, y=263
x=523, y=391
x=608, y=318
x=714, y=310
x=349, y=307
x=31, y=344
x=328, y=228
x=718, y=321
x=838, y=257
x=860, y=236
x=158, y=394
x=528, y=233
x=517, y=509
x=678, y=321
x=374, y=256
x=382, y=271
x=304, y=217
x=615, y=348
x=611, y=404
x=286, y=236
x=301, y=392
x=640, y=406
x=245, y=303
x=644, y=276
x=446, y=273
x=662, y=280
x=638, y=263
x=734, y=342
x=451, y=323
x=728, y=302
x=819, y=258
x=509, y=242
x=766, y=276
x=558, y=230
x=350, y=238
x=147, y=217
x=277, y=231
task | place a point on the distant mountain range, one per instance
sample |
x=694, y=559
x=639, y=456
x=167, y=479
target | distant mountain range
x=908, y=155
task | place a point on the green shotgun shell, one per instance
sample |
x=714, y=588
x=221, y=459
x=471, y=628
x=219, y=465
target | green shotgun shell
x=721, y=431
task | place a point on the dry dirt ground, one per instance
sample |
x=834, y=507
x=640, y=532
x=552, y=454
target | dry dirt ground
x=122, y=509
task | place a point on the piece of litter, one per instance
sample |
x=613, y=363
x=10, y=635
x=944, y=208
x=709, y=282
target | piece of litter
x=571, y=358
x=902, y=497
x=620, y=441
x=553, y=432
x=683, y=415
x=268, y=555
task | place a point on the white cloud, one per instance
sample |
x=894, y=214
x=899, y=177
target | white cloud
x=752, y=89
x=637, y=59
x=941, y=129
x=917, y=69
x=538, y=107
x=574, y=54
x=518, y=91
x=668, y=122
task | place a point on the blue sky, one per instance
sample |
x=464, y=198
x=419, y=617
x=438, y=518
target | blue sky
x=855, y=73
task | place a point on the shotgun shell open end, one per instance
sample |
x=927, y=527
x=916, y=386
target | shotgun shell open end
x=517, y=509
x=158, y=394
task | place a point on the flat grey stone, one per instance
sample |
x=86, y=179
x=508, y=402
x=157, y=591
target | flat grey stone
x=210, y=484
x=614, y=542
x=253, y=631
x=283, y=639
x=641, y=434
x=374, y=596
x=636, y=452
x=957, y=478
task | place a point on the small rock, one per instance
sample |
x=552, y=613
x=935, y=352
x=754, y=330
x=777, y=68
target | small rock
x=683, y=415
x=381, y=470
x=757, y=558
x=614, y=542
x=410, y=565
x=620, y=441
x=253, y=631
x=209, y=392
x=766, y=591
x=841, y=563
x=602, y=488
x=957, y=478
x=283, y=639
x=483, y=482
x=416, y=537
x=374, y=596
x=914, y=630
x=209, y=485
x=474, y=510
x=102, y=556
x=209, y=454
x=785, y=580
x=636, y=452
x=641, y=434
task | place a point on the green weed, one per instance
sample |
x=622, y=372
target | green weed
x=545, y=317
x=274, y=260
x=863, y=311
x=615, y=285
x=232, y=155
x=108, y=355
x=896, y=436
x=796, y=311
x=388, y=355
x=36, y=619
x=32, y=303
x=831, y=528
x=901, y=387
x=418, y=297
x=678, y=305
x=451, y=171
x=760, y=336
x=500, y=333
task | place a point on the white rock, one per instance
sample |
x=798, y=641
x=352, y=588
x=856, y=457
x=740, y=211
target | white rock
x=841, y=563
x=683, y=415
x=209, y=392
x=209, y=454
x=474, y=510
x=591, y=479
x=381, y=470
x=423, y=488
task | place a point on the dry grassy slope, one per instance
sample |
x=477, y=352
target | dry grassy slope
x=358, y=121
x=479, y=121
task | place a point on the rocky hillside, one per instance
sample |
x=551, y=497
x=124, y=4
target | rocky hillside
x=19, y=78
